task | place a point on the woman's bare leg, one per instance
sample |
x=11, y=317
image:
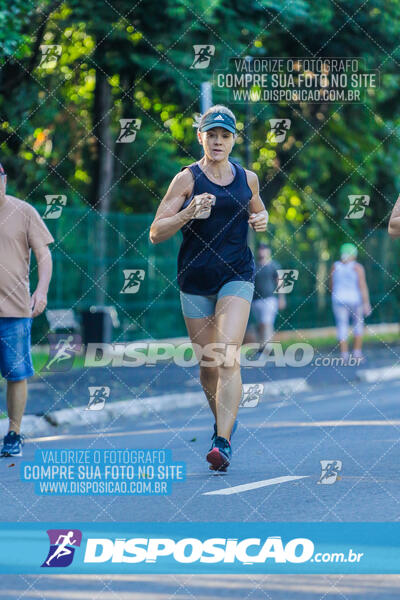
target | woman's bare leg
x=202, y=331
x=358, y=339
x=231, y=317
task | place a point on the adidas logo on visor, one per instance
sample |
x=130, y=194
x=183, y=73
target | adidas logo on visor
x=219, y=118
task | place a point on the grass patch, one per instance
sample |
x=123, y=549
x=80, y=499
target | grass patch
x=381, y=339
x=39, y=359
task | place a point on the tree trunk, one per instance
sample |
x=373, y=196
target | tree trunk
x=103, y=175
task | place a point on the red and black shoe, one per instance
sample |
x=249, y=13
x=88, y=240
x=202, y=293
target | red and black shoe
x=220, y=454
x=235, y=426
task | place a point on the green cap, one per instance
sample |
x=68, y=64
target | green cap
x=217, y=119
x=347, y=250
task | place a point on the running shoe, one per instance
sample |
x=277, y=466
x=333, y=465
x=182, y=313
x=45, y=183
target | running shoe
x=12, y=444
x=235, y=426
x=357, y=358
x=220, y=455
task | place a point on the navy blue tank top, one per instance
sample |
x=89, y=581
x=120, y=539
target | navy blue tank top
x=214, y=250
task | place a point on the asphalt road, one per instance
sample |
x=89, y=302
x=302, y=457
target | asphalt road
x=204, y=587
x=275, y=439
x=340, y=419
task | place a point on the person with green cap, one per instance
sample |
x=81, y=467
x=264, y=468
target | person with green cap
x=350, y=299
x=213, y=201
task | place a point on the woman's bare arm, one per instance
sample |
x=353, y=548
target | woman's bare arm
x=258, y=219
x=362, y=281
x=394, y=221
x=169, y=219
x=331, y=278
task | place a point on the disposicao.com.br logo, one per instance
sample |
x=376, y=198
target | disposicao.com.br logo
x=62, y=547
x=213, y=550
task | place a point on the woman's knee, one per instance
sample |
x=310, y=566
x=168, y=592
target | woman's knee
x=227, y=371
x=208, y=374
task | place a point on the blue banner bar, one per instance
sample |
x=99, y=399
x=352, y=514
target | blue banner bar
x=29, y=548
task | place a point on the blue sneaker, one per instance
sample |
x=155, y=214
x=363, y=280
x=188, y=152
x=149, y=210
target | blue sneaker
x=235, y=426
x=220, y=454
x=12, y=444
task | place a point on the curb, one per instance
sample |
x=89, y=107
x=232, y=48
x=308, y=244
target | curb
x=33, y=425
x=80, y=416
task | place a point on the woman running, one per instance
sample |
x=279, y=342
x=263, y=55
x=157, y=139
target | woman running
x=213, y=201
x=350, y=299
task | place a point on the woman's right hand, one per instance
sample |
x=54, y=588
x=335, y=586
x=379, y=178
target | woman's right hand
x=199, y=205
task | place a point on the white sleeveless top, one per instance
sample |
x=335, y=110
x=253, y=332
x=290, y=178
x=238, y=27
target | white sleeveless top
x=345, y=285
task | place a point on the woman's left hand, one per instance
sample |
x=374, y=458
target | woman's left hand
x=258, y=221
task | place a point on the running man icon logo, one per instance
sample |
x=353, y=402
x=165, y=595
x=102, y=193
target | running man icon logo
x=252, y=393
x=329, y=471
x=63, y=348
x=129, y=129
x=279, y=129
x=54, y=207
x=133, y=279
x=98, y=396
x=61, y=552
x=358, y=204
x=202, y=56
x=286, y=279
x=50, y=54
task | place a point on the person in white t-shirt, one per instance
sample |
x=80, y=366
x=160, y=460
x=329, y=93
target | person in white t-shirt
x=350, y=299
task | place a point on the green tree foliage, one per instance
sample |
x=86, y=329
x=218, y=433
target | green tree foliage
x=52, y=128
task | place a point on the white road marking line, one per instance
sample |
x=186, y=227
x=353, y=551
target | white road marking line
x=340, y=423
x=380, y=374
x=329, y=395
x=285, y=386
x=236, y=489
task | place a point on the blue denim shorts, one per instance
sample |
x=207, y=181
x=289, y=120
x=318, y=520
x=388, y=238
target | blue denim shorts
x=197, y=307
x=15, y=348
